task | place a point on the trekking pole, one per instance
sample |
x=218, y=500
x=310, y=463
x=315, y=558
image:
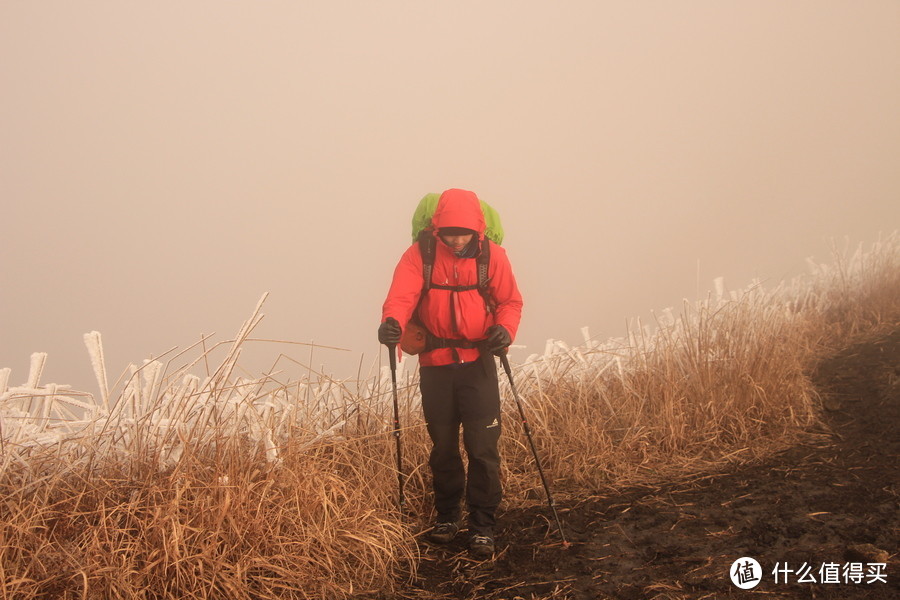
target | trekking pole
x=393, y=359
x=537, y=460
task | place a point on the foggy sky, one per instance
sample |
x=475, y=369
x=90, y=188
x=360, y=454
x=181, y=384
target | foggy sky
x=166, y=163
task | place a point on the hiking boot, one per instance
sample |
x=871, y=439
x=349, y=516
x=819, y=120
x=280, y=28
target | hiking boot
x=481, y=546
x=443, y=533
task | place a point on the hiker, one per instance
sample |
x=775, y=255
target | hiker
x=466, y=326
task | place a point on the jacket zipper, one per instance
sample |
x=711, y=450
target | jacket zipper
x=453, y=322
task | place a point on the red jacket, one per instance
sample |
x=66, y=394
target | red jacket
x=456, y=208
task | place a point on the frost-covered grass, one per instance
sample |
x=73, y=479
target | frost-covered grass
x=725, y=379
x=184, y=480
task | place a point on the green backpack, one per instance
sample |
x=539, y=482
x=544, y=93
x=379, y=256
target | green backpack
x=416, y=338
x=422, y=218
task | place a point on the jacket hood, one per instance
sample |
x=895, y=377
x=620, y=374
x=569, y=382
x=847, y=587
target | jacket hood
x=459, y=208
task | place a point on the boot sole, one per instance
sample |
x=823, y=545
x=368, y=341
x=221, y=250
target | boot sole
x=441, y=540
x=481, y=554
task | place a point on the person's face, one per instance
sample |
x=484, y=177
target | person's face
x=457, y=242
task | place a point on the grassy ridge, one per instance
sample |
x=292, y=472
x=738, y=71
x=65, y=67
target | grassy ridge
x=179, y=485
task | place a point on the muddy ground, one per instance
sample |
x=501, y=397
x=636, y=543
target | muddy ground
x=834, y=499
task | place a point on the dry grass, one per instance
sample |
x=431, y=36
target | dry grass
x=725, y=380
x=223, y=522
x=175, y=484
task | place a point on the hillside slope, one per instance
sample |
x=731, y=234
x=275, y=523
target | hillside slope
x=833, y=499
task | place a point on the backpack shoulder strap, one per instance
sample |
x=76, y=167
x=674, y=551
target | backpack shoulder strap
x=483, y=263
x=427, y=250
x=427, y=245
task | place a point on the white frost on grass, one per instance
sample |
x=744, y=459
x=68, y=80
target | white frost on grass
x=161, y=407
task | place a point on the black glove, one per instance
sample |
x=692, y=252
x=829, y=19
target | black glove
x=497, y=340
x=389, y=332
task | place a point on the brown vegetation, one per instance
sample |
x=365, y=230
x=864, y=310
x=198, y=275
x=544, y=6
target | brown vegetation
x=284, y=487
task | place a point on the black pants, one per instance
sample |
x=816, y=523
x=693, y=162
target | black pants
x=466, y=395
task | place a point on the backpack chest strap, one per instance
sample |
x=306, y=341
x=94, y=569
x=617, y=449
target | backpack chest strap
x=427, y=248
x=454, y=288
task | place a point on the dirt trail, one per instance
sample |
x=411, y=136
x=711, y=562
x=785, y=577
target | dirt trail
x=806, y=508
